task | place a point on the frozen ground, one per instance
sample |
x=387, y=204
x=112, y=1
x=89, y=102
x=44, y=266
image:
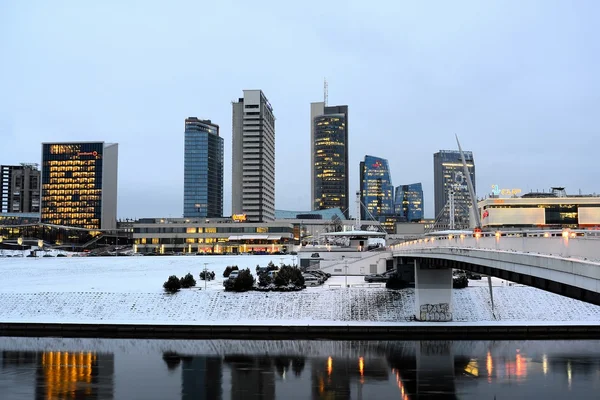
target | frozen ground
x=129, y=290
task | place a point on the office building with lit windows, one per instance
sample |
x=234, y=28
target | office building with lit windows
x=408, y=202
x=449, y=179
x=329, y=157
x=253, y=158
x=79, y=184
x=203, y=170
x=20, y=188
x=376, y=190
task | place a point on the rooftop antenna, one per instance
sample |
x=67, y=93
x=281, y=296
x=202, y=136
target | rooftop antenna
x=325, y=92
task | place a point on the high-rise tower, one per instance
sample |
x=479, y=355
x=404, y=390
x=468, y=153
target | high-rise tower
x=450, y=181
x=376, y=190
x=79, y=184
x=203, y=170
x=329, y=157
x=20, y=188
x=253, y=144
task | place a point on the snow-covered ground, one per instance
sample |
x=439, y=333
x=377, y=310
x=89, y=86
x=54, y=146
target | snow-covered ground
x=129, y=290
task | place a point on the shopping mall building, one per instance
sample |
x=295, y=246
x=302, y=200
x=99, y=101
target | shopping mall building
x=541, y=210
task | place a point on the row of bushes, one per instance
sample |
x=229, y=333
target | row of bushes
x=287, y=278
x=173, y=284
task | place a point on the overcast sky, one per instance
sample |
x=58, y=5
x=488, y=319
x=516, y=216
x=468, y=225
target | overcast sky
x=518, y=81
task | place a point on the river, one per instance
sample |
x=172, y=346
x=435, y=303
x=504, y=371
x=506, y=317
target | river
x=55, y=368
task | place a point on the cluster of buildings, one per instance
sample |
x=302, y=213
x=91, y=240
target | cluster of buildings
x=72, y=196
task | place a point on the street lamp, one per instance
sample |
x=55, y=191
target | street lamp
x=205, y=277
x=20, y=243
x=346, y=271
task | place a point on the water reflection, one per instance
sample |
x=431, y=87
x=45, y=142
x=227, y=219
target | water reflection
x=235, y=369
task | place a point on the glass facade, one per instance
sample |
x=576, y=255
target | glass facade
x=331, y=162
x=72, y=184
x=449, y=177
x=203, y=170
x=408, y=202
x=376, y=190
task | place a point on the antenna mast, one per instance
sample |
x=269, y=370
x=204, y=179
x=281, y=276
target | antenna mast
x=325, y=91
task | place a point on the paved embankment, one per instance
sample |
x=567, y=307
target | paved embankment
x=412, y=331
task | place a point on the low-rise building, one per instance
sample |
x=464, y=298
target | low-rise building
x=542, y=210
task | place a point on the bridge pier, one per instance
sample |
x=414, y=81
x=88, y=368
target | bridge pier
x=433, y=293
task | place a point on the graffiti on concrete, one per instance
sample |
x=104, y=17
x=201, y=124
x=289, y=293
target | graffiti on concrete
x=435, y=312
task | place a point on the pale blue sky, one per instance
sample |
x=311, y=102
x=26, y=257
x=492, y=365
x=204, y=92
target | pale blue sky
x=518, y=81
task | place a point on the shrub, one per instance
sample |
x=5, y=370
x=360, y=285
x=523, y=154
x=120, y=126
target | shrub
x=172, y=285
x=460, y=282
x=207, y=275
x=243, y=282
x=188, y=281
x=287, y=275
x=228, y=270
x=395, y=282
x=264, y=279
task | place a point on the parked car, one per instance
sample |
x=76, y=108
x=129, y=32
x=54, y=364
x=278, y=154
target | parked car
x=234, y=274
x=311, y=280
x=379, y=277
x=314, y=274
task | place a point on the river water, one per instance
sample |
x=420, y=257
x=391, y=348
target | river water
x=54, y=368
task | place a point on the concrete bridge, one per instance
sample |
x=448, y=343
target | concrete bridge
x=564, y=262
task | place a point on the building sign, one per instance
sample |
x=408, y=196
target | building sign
x=88, y=153
x=377, y=164
x=238, y=217
x=496, y=191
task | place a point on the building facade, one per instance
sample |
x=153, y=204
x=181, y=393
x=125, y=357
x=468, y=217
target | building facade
x=408, y=202
x=203, y=170
x=253, y=148
x=217, y=236
x=79, y=184
x=450, y=181
x=376, y=190
x=577, y=212
x=329, y=157
x=20, y=188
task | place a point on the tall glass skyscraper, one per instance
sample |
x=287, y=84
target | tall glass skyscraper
x=408, y=202
x=448, y=177
x=376, y=190
x=329, y=157
x=203, y=170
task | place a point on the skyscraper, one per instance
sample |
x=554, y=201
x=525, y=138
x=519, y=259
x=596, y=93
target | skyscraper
x=329, y=156
x=449, y=177
x=253, y=143
x=408, y=202
x=203, y=170
x=376, y=190
x=79, y=184
x=20, y=188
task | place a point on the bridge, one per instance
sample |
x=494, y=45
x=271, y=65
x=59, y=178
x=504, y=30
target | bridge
x=566, y=262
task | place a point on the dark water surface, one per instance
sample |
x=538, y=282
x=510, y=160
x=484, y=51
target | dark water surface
x=53, y=368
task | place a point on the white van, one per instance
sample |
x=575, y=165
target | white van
x=311, y=280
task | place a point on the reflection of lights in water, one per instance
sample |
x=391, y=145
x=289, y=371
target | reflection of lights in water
x=361, y=369
x=403, y=394
x=321, y=385
x=64, y=372
x=521, y=366
x=329, y=365
x=545, y=364
x=569, y=376
x=472, y=368
x=489, y=364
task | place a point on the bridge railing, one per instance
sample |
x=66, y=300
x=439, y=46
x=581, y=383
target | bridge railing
x=564, y=243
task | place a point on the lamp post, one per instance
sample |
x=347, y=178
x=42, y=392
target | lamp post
x=20, y=243
x=346, y=271
x=205, y=276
